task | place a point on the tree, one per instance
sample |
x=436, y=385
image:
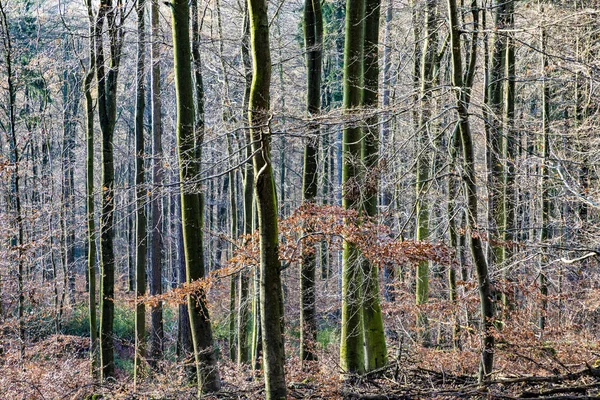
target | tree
x=462, y=90
x=113, y=17
x=189, y=143
x=375, y=346
x=351, y=347
x=157, y=332
x=313, y=42
x=140, y=193
x=91, y=222
x=271, y=301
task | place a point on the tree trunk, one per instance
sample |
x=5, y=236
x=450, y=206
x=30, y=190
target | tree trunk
x=271, y=301
x=351, y=347
x=140, y=196
x=248, y=181
x=157, y=333
x=494, y=133
x=462, y=90
x=374, y=334
x=91, y=223
x=313, y=41
x=107, y=113
x=189, y=145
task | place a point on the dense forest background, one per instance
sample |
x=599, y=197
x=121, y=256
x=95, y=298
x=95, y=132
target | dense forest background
x=360, y=199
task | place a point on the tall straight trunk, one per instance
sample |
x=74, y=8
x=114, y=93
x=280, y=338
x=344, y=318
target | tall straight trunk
x=157, y=331
x=313, y=42
x=424, y=159
x=248, y=181
x=494, y=132
x=112, y=16
x=140, y=195
x=374, y=334
x=271, y=300
x=386, y=197
x=544, y=179
x=462, y=88
x=234, y=233
x=91, y=223
x=510, y=150
x=351, y=347
x=189, y=145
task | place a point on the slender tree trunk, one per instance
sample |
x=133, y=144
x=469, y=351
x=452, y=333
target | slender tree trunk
x=510, y=152
x=248, y=181
x=494, y=148
x=107, y=112
x=424, y=159
x=189, y=144
x=91, y=223
x=462, y=88
x=351, y=347
x=313, y=41
x=544, y=180
x=386, y=197
x=157, y=333
x=140, y=195
x=271, y=301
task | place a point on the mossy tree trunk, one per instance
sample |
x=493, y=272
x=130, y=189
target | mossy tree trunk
x=91, y=223
x=189, y=142
x=374, y=334
x=271, y=301
x=351, y=347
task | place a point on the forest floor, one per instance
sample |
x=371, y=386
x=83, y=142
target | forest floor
x=57, y=367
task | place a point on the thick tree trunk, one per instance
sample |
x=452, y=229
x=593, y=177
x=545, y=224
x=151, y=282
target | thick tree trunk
x=374, y=334
x=351, y=347
x=189, y=144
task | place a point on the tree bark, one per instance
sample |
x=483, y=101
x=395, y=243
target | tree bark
x=189, y=145
x=462, y=88
x=374, y=334
x=313, y=42
x=112, y=16
x=271, y=301
x=140, y=196
x=351, y=347
x=157, y=332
